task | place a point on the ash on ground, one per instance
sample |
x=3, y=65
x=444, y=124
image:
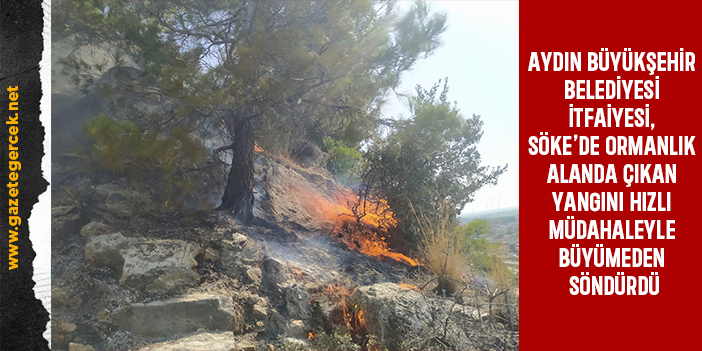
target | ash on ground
x=129, y=275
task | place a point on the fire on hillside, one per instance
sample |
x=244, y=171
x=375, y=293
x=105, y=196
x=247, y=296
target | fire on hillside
x=364, y=233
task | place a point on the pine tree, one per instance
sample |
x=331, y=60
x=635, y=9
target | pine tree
x=277, y=69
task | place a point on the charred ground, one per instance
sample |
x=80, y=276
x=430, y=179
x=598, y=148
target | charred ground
x=292, y=279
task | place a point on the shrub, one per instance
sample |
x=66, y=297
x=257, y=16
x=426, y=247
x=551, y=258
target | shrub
x=442, y=249
x=428, y=159
x=292, y=346
x=338, y=340
x=483, y=255
x=344, y=161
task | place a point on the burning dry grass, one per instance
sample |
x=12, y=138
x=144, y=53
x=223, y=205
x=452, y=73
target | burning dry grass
x=313, y=201
x=441, y=248
x=365, y=232
x=370, y=241
x=360, y=233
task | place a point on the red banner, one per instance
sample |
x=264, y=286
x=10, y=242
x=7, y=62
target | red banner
x=620, y=78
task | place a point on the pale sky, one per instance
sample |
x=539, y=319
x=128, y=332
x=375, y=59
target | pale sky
x=479, y=55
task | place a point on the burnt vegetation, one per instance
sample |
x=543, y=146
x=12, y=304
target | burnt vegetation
x=180, y=125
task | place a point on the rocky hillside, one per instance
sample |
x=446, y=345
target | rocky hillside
x=129, y=275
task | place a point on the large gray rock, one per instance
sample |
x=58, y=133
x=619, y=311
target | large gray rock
x=254, y=275
x=297, y=301
x=181, y=316
x=202, y=341
x=240, y=253
x=400, y=316
x=104, y=251
x=160, y=265
x=154, y=265
x=239, y=240
x=274, y=271
x=394, y=313
x=259, y=312
x=297, y=329
x=275, y=322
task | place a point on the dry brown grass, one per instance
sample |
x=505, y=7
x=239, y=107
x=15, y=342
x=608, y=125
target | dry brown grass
x=441, y=249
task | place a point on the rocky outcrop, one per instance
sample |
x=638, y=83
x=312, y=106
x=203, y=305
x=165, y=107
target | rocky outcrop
x=297, y=301
x=104, y=251
x=394, y=313
x=119, y=200
x=154, y=265
x=202, y=341
x=258, y=287
x=160, y=265
x=297, y=329
x=400, y=317
x=181, y=316
x=240, y=257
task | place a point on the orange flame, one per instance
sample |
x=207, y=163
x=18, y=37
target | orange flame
x=338, y=211
x=345, y=311
x=367, y=240
x=409, y=287
x=356, y=237
x=257, y=148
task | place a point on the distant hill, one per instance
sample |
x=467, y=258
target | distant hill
x=502, y=212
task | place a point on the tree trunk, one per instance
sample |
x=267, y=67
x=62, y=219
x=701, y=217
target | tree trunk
x=238, y=195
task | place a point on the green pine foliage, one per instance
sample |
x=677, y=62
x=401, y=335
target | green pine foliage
x=167, y=159
x=344, y=161
x=297, y=70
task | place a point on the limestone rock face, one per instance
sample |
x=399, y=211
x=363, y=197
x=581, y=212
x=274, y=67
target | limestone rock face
x=254, y=275
x=160, y=265
x=398, y=315
x=297, y=329
x=153, y=265
x=202, y=341
x=393, y=312
x=239, y=254
x=239, y=240
x=297, y=301
x=104, y=251
x=181, y=316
